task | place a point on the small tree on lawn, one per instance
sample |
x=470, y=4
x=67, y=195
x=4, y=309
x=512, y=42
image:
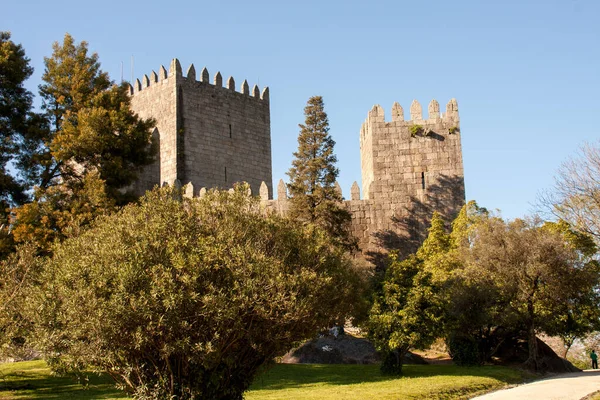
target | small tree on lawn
x=313, y=195
x=408, y=309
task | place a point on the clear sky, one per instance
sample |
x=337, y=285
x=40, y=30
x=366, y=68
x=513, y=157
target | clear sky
x=526, y=73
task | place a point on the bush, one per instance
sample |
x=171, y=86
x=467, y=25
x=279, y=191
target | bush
x=189, y=297
x=464, y=350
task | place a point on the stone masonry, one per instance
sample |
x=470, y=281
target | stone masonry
x=409, y=170
x=211, y=136
x=207, y=134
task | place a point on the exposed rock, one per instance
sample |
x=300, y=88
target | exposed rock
x=344, y=349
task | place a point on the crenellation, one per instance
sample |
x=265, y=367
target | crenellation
x=153, y=77
x=264, y=191
x=434, y=110
x=245, y=88
x=281, y=190
x=189, y=190
x=416, y=112
x=255, y=92
x=397, y=112
x=175, y=68
x=191, y=72
x=231, y=83
x=162, y=73
x=137, y=86
x=204, y=76
x=265, y=94
x=145, y=81
x=355, y=192
x=218, y=80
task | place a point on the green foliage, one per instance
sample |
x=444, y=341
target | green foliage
x=406, y=312
x=189, y=297
x=19, y=274
x=313, y=195
x=520, y=277
x=416, y=130
x=79, y=156
x=453, y=130
x=15, y=106
x=90, y=125
x=60, y=212
x=464, y=349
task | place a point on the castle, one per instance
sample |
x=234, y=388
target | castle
x=214, y=136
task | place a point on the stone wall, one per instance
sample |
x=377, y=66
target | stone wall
x=214, y=136
x=209, y=135
x=407, y=174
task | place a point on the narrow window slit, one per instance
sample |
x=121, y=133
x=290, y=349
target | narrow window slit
x=423, y=180
x=225, y=174
x=230, y=130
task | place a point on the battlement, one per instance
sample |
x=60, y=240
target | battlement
x=176, y=71
x=377, y=114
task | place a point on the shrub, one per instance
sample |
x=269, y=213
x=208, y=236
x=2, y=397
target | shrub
x=464, y=350
x=189, y=297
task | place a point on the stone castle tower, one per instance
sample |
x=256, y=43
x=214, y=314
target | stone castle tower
x=211, y=136
x=410, y=168
x=207, y=134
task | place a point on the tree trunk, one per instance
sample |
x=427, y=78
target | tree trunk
x=532, y=360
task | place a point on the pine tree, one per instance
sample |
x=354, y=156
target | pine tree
x=89, y=125
x=15, y=105
x=314, y=198
x=85, y=149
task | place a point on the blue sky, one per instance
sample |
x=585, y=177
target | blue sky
x=526, y=73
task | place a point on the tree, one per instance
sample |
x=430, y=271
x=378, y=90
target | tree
x=314, y=198
x=189, y=298
x=538, y=273
x=15, y=105
x=88, y=137
x=91, y=126
x=408, y=309
x=19, y=272
x=575, y=197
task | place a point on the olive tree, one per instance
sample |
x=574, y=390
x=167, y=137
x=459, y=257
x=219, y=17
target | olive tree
x=189, y=297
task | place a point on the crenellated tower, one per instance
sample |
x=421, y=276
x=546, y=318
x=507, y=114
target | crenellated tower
x=209, y=135
x=410, y=168
x=406, y=157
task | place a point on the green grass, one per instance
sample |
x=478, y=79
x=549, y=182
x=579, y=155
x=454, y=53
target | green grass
x=32, y=380
x=365, y=382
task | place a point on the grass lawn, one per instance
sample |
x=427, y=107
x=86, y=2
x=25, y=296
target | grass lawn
x=347, y=382
x=32, y=380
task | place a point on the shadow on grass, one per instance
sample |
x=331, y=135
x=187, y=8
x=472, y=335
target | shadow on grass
x=32, y=380
x=287, y=376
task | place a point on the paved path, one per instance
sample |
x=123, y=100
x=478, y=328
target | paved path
x=571, y=386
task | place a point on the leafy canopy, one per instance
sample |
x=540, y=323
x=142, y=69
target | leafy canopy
x=190, y=297
x=86, y=149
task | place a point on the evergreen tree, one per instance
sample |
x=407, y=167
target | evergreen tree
x=314, y=198
x=87, y=137
x=89, y=125
x=15, y=105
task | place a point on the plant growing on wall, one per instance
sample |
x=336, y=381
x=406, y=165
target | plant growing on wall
x=453, y=130
x=416, y=130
